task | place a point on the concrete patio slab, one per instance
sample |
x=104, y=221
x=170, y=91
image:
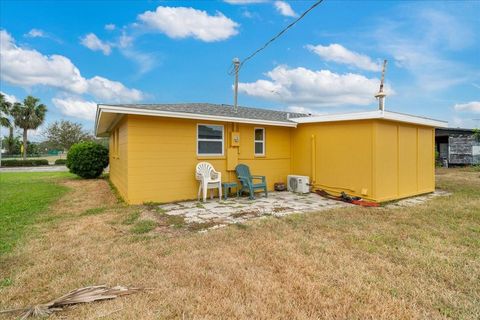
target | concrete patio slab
x=239, y=210
x=413, y=201
x=217, y=213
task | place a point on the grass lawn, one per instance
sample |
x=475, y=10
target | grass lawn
x=420, y=262
x=23, y=198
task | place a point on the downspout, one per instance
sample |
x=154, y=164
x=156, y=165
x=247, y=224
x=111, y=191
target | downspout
x=314, y=159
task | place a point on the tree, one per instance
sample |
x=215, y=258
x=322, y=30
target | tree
x=63, y=134
x=28, y=116
x=13, y=144
x=5, y=121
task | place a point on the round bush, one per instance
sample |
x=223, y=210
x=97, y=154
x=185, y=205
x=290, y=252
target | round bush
x=87, y=159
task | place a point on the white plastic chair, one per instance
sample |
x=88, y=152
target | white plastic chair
x=209, y=179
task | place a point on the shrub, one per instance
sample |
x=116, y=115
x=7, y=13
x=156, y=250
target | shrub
x=61, y=161
x=87, y=159
x=24, y=163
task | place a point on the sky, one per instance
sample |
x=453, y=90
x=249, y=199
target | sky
x=75, y=54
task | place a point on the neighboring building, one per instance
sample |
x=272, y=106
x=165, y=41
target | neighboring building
x=376, y=155
x=457, y=146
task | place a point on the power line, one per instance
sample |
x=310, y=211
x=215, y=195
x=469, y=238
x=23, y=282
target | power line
x=279, y=34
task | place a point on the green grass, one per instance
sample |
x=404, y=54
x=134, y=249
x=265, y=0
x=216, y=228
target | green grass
x=143, y=226
x=131, y=218
x=176, y=221
x=93, y=211
x=24, y=200
x=5, y=282
x=160, y=211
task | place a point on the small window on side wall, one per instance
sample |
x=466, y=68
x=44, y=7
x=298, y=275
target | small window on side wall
x=117, y=142
x=209, y=140
x=259, y=141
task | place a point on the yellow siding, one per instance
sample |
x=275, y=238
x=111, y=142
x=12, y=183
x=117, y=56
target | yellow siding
x=385, y=160
x=404, y=160
x=162, y=156
x=119, y=160
x=342, y=159
x=374, y=159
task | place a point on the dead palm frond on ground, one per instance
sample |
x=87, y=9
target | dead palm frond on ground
x=82, y=295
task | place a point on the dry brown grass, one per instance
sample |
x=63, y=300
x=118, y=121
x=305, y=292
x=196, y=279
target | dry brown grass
x=354, y=263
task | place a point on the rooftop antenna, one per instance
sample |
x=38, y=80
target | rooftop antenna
x=381, y=95
x=236, y=65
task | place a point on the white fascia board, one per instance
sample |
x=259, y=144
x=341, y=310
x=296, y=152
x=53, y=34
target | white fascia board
x=97, y=120
x=183, y=115
x=378, y=114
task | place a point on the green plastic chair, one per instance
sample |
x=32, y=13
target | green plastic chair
x=246, y=181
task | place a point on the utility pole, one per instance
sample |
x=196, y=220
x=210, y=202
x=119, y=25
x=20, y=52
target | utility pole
x=236, y=64
x=381, y=95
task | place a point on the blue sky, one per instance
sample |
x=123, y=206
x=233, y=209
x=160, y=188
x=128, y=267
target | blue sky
x=74, y=54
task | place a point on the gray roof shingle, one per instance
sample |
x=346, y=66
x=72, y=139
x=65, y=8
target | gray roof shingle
x=221, y=110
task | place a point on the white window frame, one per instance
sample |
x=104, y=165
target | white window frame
x=262, y=141
x=210, y=140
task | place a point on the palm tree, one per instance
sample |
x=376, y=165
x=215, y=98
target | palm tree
x=28, y=116
x=5, y=112
x=5, y=108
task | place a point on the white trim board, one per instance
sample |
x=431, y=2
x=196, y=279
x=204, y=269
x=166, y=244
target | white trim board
x=377, y=114
x=183, y=115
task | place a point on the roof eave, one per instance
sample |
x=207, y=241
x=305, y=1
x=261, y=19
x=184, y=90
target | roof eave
x=370, y=115
x=182, y=115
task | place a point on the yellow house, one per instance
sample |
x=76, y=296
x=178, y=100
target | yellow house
x=377, y=155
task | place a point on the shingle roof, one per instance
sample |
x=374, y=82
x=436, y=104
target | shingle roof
x=221, y=110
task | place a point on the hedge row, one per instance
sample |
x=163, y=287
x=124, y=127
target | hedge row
x=61, y=161
x=25, y=163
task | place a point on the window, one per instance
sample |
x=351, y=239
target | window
x=209, y=140
x=115, y=143
x=259, y=141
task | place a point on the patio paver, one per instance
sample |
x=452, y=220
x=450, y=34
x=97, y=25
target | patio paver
x=238, y=210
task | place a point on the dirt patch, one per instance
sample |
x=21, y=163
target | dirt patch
x=85, y=195
x=242, y=214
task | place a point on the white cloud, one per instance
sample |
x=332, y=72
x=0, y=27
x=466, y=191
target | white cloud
x=284, y=9
x=298, y=109
x=110, y=27
x=9, y=97
x=419, y=46
x=473, y=106
x=28, y=68
x=338, y=53
x=145, y=61
x=302, y=87
x=36, y=33
x=92, y=42
x=76, y=107
x=244, y=1
x=112, y=91
x=181, y=22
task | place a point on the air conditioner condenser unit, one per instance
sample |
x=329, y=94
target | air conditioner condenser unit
x=298, y=184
